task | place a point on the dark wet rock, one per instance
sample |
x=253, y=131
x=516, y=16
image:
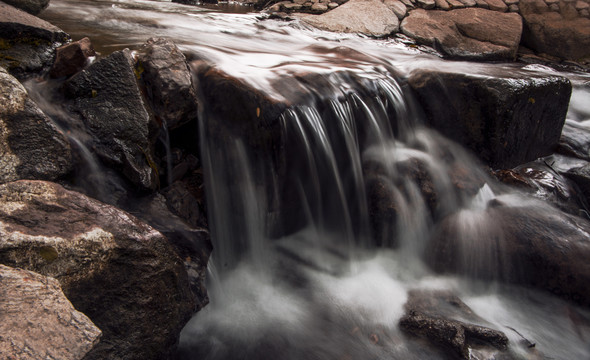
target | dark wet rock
x=31, y=146
x=530, y=244
x=554, y=33
x=505, y=121
x=117, y=270
x=38, y=322
x=581, y=177
x=184, y=204
x=368, y=17
x=71, y=58
x=33, y=7
x=575, y=141
x=475, y=34
x=168, y=82
x=441, y=318
x=107, y=98
x=27, y=43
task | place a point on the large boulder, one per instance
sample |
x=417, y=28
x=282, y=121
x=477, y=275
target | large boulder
x=38, y=322
x=33, y=7
x=27, y=43
x=368, y=17
x=475, y=33
x=31, y=145
x=107, y=97
x=120, y=272
x=505, y=121
x=553, y=33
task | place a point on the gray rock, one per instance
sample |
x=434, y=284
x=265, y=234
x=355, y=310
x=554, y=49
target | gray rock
x=398, y=7
x=466, y=33
x=468, y=3
x=71, y=58
x=33, y=7
x=120, y=272
x=107, y=98
x=38, y=322
x=31, y=146
x=368, y=17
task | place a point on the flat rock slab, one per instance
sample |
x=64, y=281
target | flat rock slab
x=368, y=17
x=475, y=34
x=38, y=322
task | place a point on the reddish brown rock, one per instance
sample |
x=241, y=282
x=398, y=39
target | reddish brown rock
x=71, y=58
x=497, y=5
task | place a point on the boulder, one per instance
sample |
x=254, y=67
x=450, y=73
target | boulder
x=31, y=145
x=398, y=8
x=71, y=58
x=575, y=140
x=506, y=121
x=168, y=82
x=27, y=43
x=33, y=7
x=552, y=33
x=38, y=322
x=581, y=177
x=524, y=243
x=120, y=272
x=368, y=17
x=474, y=34
x=107, y=97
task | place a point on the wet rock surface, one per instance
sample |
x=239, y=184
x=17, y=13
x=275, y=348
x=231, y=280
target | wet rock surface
x=33, y=7
x=38, y=322
x=71, y=58
x=120, y=272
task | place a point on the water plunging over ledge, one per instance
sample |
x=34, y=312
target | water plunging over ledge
x=295, y=272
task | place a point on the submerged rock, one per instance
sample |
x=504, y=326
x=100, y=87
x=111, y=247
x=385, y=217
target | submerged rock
x=38, y=322
x=107, y=98
x=505, y=121
x=71, y=58
x=475, y=34
x=31, y=145
x=120, y=272
x=33, y=7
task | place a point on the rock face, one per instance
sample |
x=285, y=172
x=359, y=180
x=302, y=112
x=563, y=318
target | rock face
x=555, y=33
x=71, y=58
x=108, y=99
x=118, y=271
x=31, y=6
x=504, y=121
x=168, y=82
x=31, y=146
x=27, y=43
x=369, y=17
x=38, y=322
x=476, y=34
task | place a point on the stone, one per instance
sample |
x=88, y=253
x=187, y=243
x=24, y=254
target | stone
x=456, y=4
x=497, y=5
x=31, y=145
x=33, y=7
x=442, y=4
x=292, y=7
x=468, y=3
x=333, y=5
x=495, y=116
x=474, y=33
x=168, y=82
x=319, y=7
x=581, y=177
x=585, y=13
x=513, y=8
x=368, y=17
x=482, y=4
x=120, y=272
x=38, y=322
x=398, y=8
x=409, y=3
x=425, y=4
x=554, y=7
x=27, y=43
x=71, y=58
x=581, y=5
x=511, y=2
x=107, y=97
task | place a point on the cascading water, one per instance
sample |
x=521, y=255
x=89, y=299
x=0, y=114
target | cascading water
x=301, y=268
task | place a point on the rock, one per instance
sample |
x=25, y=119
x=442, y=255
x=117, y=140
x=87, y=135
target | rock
x=497, y=5
x=33, y=7
x=120, y=272
x=533, y=245
x=456, y=4
x=581, y=5
x=513, y=8
x=71, y=58
x=552, y=33
x=498, y=130
x=38, y=322
x=441, y=318
x=482, y=4
x=575, y=141
x=425, y=4
x=468, y=3
x=31, y=146
x=332, y=5
x=368, y=17
x=581, y=176
x=319, y=7
x=168, y=81
x=399, y=9
x=27, y=43
x=107, y=98
x=475, y=34
x=442, y=4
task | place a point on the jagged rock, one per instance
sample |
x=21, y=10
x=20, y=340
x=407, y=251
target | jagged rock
x=33, y=7
x=38, y=322
x=120, y=272
x=27, y=43
x=441, y=318
x=168, y=82
x=71, y=58
x=107, y=98
x=475, y=33
x=495, y=117
x=550, y=32
x=369, y=17
x=31, y=146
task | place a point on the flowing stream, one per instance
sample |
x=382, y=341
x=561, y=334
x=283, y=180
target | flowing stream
x=321, y=287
